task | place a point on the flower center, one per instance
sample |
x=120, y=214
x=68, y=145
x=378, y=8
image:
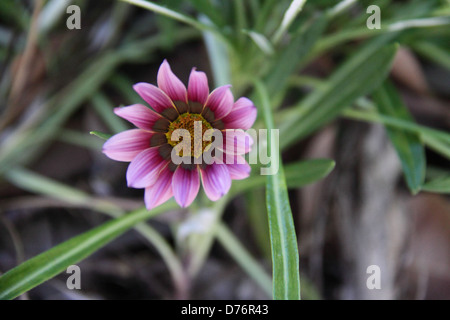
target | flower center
x=187, y=121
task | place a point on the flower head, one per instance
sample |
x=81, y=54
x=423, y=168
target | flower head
x=150, y=147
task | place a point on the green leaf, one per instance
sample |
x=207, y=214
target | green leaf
x=261, y=41
x=289, y=17
x=408, y=145
x=218, y=56
x=440, y=185
x=148, y=5
x=305, y=172
x=207, y=8
x=30, y=181
x=297, y=174
x=105, y=110
x=357, y=77
x=101, y=135
x=433, y=52
x=285, y=259
x=287, y=62
x=36, y=270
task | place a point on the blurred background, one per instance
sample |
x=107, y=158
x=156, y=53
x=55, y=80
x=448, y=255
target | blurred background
x=57, y=85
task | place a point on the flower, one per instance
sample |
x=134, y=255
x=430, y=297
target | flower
x=150, y=146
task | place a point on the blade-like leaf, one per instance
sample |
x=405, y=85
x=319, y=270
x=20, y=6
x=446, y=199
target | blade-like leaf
x=359, y=76
x=52, y=262
x=289, y=16
x=408, y=145
x=218, y=56
x=285, y=259
x=287, y=62
x=297, y=175
x=261, y=41
x=104, y=108
x=171, y=14
x=207, y=8
x=440, y=185
x=101, y=135
x=306, y=172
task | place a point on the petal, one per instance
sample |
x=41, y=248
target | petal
x=239, y=169
x=237, y=141
x=220, y=101
x=144, y=169
x=142, y=117
x=185, y=185
x=242, y=116
x=170, y=84
x=198, y=89
x=216, y=181
x=125, y=146
x=154, y=96
x=160, y=191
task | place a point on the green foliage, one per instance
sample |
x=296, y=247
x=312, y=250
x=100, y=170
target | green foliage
x=271, y=41
x=285, y=260
x=408, y=145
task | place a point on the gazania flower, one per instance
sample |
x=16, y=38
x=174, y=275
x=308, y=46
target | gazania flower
x=149, y=147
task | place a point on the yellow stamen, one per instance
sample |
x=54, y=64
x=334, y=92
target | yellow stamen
x=187, y=121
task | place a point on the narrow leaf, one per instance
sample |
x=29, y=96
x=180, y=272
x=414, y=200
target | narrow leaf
x=261, y=41
x=170, y=14
x=218, y=56
x=359, y=76
x=105, y=108
x=207, y=8
x=36, y=270
x=286, y=63
x=297, y=175
x=408, y=145
x=101, y=135
x=440, y=185
x=285, y=259
x=294, y=9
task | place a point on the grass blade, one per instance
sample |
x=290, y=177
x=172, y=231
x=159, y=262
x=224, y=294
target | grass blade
x=409, y=147
x=359, y=76
x=439, y=185
x=289, y=17
x=170, y=14
x=101, y=135
x=285, y=259
x=288, y=60
x=36, y=270
x=297, y=175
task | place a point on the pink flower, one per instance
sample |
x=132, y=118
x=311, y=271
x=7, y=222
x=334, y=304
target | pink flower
x=149, y=147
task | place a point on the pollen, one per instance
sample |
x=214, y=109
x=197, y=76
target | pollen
x=187, y=121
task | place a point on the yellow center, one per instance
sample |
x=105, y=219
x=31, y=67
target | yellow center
x=187, y=121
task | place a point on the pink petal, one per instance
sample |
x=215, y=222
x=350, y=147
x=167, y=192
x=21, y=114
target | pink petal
x=125, y=146
x=220, y=101
x=144, y=169
x=185, y=185
x=216, y=181
x=170, y=84
x=160, y=191
x=236, y=142
x=239, y=169
x=198, y=89
x=139, y=115
x=154, y=96
x=242, y=116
